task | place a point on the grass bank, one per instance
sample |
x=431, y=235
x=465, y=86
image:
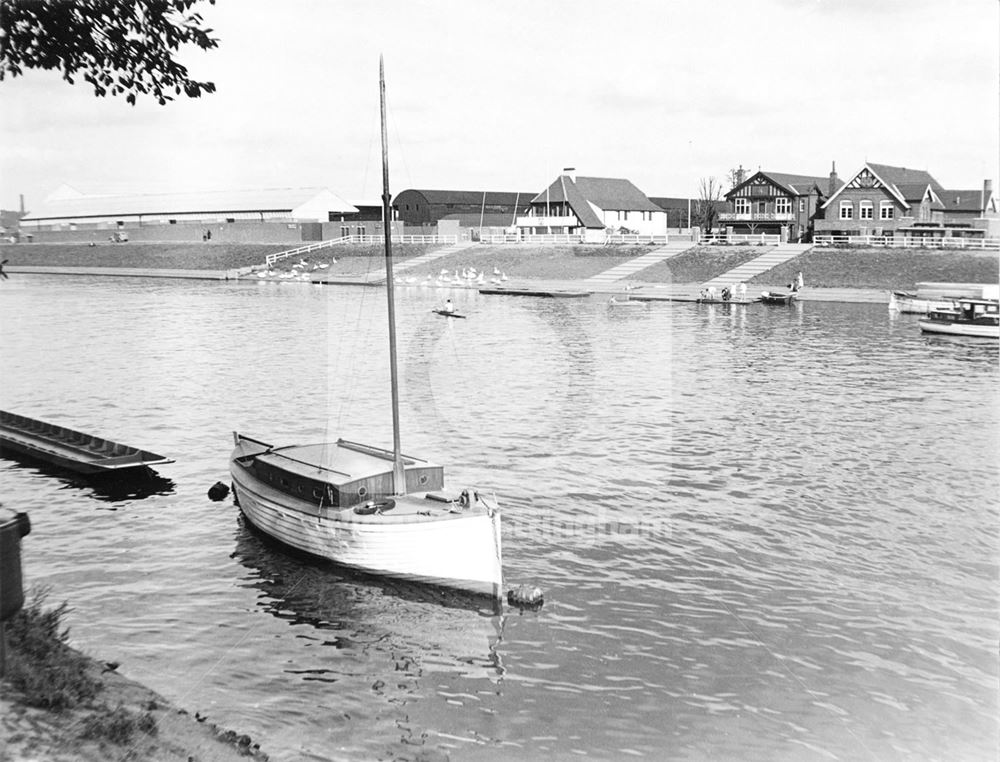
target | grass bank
x=821, y=267
x=57, y=704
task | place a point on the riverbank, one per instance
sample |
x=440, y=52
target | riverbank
x=58, y=705
x=823, y=267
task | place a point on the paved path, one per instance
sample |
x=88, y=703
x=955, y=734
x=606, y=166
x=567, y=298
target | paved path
x=633, y=266
x=378, y=276
x=773, y=257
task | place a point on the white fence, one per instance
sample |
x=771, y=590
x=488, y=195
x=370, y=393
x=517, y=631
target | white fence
x=554, y=239
x=362, y=239
x=761, y=239
x=907, y=242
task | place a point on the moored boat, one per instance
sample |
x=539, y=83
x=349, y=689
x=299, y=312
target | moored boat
x=776, y=297
x=909, y=302
x=369, y=508
x=338, y=501
x=939, y=296
x=968, y=317
x=69, y=449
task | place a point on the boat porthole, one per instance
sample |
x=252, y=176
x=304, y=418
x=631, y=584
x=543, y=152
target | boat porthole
x=423, y=479
x=362, y=491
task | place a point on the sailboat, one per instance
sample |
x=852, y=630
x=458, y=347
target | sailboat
x=369, y=508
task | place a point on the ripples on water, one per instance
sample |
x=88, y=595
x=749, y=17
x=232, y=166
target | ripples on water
x=763, y=533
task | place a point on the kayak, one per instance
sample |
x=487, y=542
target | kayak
x=445, y=313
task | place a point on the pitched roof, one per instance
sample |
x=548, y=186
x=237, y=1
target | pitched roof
x=902, y=176
x=799, y=185
x=264, y=200
x=962, y=200
x=907, y=185
x=606, y=193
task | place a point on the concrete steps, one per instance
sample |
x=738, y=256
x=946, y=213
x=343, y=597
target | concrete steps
x=378, y=276
x=633, y=266
x=773, y=257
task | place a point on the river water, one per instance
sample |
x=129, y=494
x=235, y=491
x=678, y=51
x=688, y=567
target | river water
x=763, y=533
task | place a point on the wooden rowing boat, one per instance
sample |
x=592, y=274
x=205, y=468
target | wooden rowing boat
x=775, y=297
x=69, y=449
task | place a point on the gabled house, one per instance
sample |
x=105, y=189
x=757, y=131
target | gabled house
x=882, y=200
x=593, y=208
x=776, y=203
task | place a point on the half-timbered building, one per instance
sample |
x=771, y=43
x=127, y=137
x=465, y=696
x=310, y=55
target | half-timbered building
x=775, y=203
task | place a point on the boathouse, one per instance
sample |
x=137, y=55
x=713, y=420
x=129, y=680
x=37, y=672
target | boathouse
x=420, y=207
x=776, y=203
x=896, y=202
x=263, y=215
x=593, y=208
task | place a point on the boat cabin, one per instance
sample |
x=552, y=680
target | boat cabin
x=983, y=311
x=340, y=474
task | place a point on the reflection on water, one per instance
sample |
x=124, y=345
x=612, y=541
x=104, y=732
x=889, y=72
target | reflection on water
x=136, y=484
x=762, y=532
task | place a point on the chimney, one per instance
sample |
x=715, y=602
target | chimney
x=834, y=181
x=987, y=194
x=571, y=171
x=741, y=175
x=22, y=204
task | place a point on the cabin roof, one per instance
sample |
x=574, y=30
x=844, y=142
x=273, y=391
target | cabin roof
x=336, y=462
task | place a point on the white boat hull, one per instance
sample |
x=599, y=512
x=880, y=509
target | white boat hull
x=960, y=329
x=916, y=305
x=460, y=551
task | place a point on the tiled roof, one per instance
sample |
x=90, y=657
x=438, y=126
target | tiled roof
x=900, y=176
x=962, y=200
x=800, y=185
x=606, y=193
x=265, y=200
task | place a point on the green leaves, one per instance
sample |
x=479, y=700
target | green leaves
x=120, y=47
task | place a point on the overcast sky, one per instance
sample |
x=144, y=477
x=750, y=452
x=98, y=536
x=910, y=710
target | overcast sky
x=502, y=96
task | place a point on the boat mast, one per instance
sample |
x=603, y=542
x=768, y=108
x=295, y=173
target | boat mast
x=398, y=475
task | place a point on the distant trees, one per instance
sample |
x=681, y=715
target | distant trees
x=121, y=47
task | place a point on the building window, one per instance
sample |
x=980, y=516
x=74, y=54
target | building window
x=846, y=210
x=885, y=210
x=802, y=206
x=741, y=206
x=782, y=206
x=867, y=211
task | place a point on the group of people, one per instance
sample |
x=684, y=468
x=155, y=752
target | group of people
x=709, y=294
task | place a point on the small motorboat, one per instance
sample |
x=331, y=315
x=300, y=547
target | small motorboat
x=968, y=317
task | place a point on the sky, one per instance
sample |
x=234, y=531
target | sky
x=503, y=96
